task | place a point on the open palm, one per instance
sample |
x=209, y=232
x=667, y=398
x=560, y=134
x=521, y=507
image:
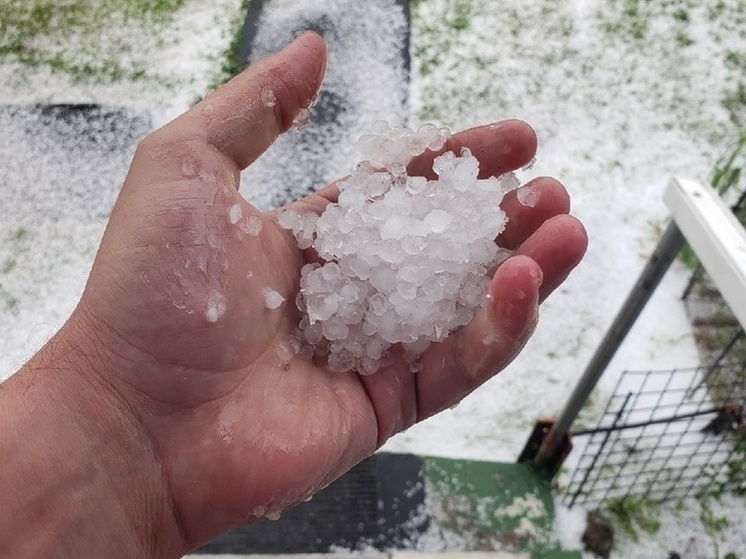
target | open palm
x=175, y=302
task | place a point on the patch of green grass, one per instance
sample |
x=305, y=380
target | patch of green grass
x=713, y=525
x=20, y=234
x=736, y=465
x=734, y=102
x=461, y=17
x=459, y=78
x=10, y=302
x=681, y=15
x=230, y=65
x=683, y=39
x=18, y=241
x=633, y=18
x=634, y=513
x=75, y=36
x=434, y=42
x=439, y=38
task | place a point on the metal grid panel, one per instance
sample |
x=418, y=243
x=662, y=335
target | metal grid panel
x=665, y=434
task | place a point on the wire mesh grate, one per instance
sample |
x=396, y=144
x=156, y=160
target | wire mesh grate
x=664, y=435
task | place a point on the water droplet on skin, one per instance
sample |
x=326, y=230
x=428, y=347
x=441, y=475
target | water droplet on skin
x=285, y=351
x=235, y=213
x=202, y=260
x=272, y=299
x=302, y=119
x=252, y=226
x=215, y=306
x=214, y=240
x=274, y=515
x=528, y=196
x=489, y=339
x=268, y=96
x=188, y=167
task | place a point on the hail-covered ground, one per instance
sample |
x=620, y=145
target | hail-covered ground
x=623, y=95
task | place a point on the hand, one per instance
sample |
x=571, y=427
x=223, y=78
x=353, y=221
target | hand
x=184, y=347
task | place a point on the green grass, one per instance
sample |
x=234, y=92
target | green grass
x=20, y=242
x=668, y=31
x=634, y=514
x=230, y=65
x=633, y=18
x=86, y=39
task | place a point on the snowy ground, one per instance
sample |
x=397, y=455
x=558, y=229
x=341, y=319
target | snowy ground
x=623, y=95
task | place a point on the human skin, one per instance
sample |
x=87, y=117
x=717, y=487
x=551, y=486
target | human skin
x=145, y=428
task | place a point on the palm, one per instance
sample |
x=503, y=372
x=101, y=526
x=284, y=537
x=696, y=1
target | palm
x=178, y=287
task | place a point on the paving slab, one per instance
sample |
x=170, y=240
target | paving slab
x=65, y=162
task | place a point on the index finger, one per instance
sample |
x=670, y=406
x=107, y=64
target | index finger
x=499, y=147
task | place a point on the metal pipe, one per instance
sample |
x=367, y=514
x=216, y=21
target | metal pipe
x=668, y=247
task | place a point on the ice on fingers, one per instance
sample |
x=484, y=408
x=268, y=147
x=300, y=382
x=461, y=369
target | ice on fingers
x=407, y=258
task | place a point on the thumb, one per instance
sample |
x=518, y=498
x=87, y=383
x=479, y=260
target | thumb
x=240, y=120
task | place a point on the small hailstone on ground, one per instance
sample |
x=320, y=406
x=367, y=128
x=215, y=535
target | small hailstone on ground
x=272, y=299
x=407, y=259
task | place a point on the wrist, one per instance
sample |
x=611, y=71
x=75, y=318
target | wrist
x=80, y=476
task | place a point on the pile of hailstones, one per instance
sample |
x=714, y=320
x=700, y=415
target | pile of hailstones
x=406, y=258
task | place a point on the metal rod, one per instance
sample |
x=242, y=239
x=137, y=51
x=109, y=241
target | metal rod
x=645, y=423
x=668, y=247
